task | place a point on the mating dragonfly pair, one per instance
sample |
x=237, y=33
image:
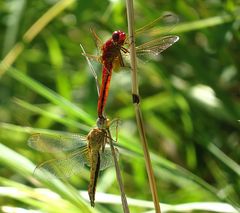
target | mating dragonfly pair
x=90, y=150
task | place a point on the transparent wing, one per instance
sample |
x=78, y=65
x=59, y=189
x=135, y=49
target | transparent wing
x=63, y=168
x=98, y=43
x=168, y=20
x=106, y=158
x=156, y=46
x=56, y=143
x=91, y=68
x=97, y=40
x=118, y=62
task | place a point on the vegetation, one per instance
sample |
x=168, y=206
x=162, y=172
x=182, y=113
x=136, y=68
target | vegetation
x=189, y=98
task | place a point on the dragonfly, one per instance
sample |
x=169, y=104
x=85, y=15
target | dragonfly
x=114, y=50
x=80, y=151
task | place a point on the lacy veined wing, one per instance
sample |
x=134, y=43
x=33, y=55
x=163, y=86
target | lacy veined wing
x=65, y=167
x=75, y=160
x=56, y=143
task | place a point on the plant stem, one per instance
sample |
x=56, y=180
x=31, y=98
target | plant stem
x=118, y=174
x=136, y=102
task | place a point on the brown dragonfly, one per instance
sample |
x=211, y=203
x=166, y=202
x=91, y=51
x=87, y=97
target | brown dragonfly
x=81, y=151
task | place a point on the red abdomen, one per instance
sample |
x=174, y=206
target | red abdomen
x=106, y=78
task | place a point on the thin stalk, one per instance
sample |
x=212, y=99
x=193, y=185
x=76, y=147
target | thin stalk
x=136, y=102
x=118, y=174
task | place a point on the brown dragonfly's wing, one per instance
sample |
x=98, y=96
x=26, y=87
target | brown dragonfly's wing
x=56, y=143
x=157, y=46
x=106, y=158
x=63, y=168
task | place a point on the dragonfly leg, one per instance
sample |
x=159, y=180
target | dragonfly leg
x=125, y=50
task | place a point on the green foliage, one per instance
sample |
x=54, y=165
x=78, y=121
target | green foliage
x=189, y=97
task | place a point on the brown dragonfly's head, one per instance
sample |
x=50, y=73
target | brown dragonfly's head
x=119, y=37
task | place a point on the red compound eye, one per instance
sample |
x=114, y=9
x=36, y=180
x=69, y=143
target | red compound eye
x=115, y=36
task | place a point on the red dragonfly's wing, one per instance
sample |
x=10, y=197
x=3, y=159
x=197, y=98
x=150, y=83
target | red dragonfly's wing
x=156, y=46
x=56, y=143
x=168, y=20
x=99, y=44
x=64, y=168
x=153, y=47
x=97, y=40
x=118, y=62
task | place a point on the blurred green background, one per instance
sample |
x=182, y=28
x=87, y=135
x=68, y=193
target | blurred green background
x=190, y=97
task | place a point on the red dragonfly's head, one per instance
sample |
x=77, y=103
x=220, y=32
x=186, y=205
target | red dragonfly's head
x=119, y=37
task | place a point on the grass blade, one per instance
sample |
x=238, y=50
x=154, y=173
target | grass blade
x=52, y=96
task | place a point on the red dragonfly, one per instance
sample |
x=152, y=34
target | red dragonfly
x=113, y=50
